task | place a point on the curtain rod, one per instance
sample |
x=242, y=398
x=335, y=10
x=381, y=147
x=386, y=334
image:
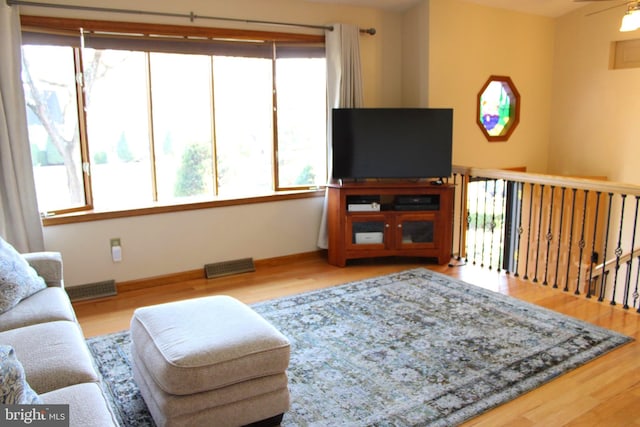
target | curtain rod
x=191, y=16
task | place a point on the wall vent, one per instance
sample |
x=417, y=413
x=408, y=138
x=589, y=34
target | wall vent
x=226, y=268
x=626, y=54
x=106, y=288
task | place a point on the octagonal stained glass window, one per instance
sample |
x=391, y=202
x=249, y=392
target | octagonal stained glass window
x=498, y=108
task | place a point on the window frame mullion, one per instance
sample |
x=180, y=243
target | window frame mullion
x=274, y=106
x=152, y=140
x=214, y=139
x=81, y=102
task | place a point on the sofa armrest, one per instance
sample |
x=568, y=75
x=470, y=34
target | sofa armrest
x=48, y=265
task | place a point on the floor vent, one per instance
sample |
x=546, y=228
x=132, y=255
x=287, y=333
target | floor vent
x=106, y=288
x=226, y=268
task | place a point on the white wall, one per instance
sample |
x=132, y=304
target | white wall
x=415, y=56
x=176, y=242
x=154, y=245
x=595, y=128
x=467, y=44
x=578, y=116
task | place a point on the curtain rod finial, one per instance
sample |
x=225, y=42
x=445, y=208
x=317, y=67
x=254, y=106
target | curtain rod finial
x=370, y=31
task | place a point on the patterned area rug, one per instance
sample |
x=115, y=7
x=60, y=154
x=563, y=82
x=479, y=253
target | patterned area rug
x=409, y=349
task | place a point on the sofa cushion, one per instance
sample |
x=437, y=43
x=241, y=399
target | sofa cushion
x=48, y=265
x=87, y=405
x=48, y=305
x=14, y=389
x=18, y=279
x=54, y=354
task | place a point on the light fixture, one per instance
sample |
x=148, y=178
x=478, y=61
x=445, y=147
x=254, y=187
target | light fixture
x=631, y=19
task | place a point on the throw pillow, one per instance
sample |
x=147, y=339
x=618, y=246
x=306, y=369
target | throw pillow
x=18, y=279
x=14, y=389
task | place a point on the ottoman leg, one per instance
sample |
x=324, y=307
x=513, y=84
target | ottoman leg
x=268, y=422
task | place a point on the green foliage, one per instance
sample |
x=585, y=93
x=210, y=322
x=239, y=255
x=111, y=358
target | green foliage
x=481, y=221
x=53, y=156
x=50, y=156
x=193, y=170
x=124, y=153
x=306, y=176
x=37, y=156
x=100, y=158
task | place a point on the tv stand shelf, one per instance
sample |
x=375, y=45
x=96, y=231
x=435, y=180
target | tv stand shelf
x=400, y=218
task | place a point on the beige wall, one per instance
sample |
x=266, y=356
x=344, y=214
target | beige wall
x=595, y=127
x=415, y=56
x=170, y=243
x=467, y=44
x=438, y=54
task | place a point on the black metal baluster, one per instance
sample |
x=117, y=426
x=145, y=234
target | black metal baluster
x=520, y=230
x=549, y=235
x=618, y=251
x=463, y=190
x=635, y=292
x=484, y=222
x=573, y=211
x=593, y=247
x=475, y=239
x=555, y=284
x=466, y=240
x=526, y=266
x=581, y=243
x=627, y=284
x=453, y=219
x=493, y=223
x=535, y=273
x=603, y=274
x=503, y=230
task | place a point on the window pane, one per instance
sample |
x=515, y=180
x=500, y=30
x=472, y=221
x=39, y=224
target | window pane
x=301, y=88
x=244, y=125
x=118, y=128
x=181, y=99
x=52, y=117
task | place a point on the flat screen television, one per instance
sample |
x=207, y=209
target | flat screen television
x=399, y=143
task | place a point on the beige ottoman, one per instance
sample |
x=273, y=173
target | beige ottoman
x=209, y=361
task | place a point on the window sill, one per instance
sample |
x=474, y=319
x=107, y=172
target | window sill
x=93, y=215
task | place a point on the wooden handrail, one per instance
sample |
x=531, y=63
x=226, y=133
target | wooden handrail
x=598, y=269
x=577, y=264
x=551, y=180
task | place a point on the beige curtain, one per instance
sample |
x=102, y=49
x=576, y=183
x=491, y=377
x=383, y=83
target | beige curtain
x=344, y=88
x=20, y=222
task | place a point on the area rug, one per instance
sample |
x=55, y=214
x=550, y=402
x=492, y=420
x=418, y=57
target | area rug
x=415, y=348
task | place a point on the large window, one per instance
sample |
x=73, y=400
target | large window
x=127, y=121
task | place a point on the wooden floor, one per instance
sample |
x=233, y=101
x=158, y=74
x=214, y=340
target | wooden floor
x=605, y=392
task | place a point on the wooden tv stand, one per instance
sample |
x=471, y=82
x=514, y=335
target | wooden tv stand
x=414, y=219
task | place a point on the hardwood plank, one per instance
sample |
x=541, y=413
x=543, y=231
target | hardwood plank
x=603, y=392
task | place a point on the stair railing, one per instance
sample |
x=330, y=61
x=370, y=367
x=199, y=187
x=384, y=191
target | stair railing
x=550, y=229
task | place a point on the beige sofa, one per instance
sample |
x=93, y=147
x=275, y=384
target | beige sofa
x=49, y=344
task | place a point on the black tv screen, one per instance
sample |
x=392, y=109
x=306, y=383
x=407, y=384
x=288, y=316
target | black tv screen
x=401, y=143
